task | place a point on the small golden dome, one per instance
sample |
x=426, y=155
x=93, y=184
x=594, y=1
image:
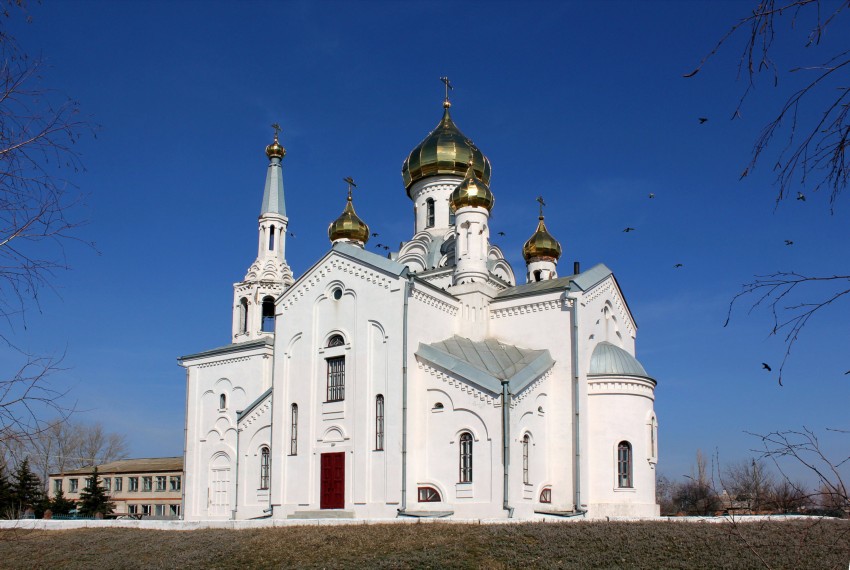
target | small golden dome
x=541, y=245
x=274, y=150
x=349, y=226
x=472, y=192
x=445, y=150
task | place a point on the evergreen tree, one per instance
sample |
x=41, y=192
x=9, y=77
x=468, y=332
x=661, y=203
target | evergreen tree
x=60, y=505
x=6, y=511
x=26, y=491
x=94, y=499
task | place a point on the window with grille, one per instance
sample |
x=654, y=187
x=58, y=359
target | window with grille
x=293, y=434
x=429, y=495
x=265, y=467
x=466, y=457
x=624, y=464
x=546, y=495
x=525, y=445
x=379, y=423
x=336, y=379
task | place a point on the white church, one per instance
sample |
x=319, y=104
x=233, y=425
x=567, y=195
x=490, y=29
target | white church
x=422, y=383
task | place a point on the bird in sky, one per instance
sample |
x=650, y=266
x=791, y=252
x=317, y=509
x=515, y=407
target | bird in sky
x=801, y=196
x=766, y=366
x=502, y=234
x=291, y=234
x=375, y=234
x=379, y=245
x=789, y=242
x=651, y=195
x=702, y=120
x=677, y=266
x=386, y=247
x=627, y=230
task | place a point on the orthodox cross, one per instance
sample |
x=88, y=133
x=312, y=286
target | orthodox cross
x=277, y=130
x=350, y=181
x=448, y=86
x=542, y=203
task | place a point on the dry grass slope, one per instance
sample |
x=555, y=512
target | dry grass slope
x=585, y=545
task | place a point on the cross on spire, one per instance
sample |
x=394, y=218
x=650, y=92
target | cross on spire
x=542, y=203
x=277, y=130
x=350, y=181
x=446, y=102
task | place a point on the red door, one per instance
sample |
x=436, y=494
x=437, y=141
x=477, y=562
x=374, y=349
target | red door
x=333, y=481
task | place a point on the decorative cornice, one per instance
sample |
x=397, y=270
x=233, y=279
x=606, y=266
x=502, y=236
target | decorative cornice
x=530, y=389
x=620, y=385
x=433, y=301
x=536, y=307
x=223, y=362
x=459, y=384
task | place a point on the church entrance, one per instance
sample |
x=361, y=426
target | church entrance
x=333, y=481
x=219, y=495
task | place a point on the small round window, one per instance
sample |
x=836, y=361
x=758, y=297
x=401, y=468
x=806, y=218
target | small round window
x=337, y=293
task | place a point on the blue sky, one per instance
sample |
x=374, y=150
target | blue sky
x=582, y=102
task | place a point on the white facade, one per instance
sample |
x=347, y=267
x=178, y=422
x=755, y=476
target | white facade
x=425, y=383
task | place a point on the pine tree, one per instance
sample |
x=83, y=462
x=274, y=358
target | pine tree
x=60, y=505
x=26, y=491
x=94, y=499
x=6, y=510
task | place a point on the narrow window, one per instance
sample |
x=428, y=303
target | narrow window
x=525, y=442
x=222, y=402
x=265, y=467
x=107, y=483
x=379, y=423
x=119, y=484
x=466, y=457
x=451, y=217
x=429, y=213
x=624, y=465
x=537, y=275
x=336, y=379
x=429, y=495
x=57, y=486
x=293, y=438
x=243, y=315
x=546, y=495
x=74, y=485
x=268, y=314
x=271, y=239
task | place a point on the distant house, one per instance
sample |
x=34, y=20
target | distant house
x=150, y=487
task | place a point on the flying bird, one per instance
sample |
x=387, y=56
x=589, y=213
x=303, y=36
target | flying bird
x=291, y=234
x=677, y=266
x=386, y=247
x=789, y=242
x=501, y=233
x=846, y=373
x=703, y=120
x=651, y=195
x=627, y=230
x=379, y=245
x=375, y=234
x=801, y=196
x=766, y=366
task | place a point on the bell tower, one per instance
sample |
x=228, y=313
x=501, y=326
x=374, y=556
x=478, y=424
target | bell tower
x=269, y=275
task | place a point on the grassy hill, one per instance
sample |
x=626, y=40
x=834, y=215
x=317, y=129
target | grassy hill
x=650, y=545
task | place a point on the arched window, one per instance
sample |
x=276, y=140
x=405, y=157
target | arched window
x=336, y=340
x=268, y=314
x=379, y=423
x=429, y=213
x=243, y=315
x=537, y=275
x=465, y=457
x=546, y=495
x=429, y=495
x=271, y=238
x=222, y=402
x=265, y=467
x=451, y=216
x=525, y=444
x=293, y=432
x=336, y=379
x=624, y=465
x=653, y=439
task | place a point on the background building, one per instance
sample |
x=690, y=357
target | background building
x=150, y=487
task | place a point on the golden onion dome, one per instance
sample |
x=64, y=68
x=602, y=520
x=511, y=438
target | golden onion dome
x=445, y=150
x=349, y=226
x=472, y=192
x=541, y=245
x=275, y=150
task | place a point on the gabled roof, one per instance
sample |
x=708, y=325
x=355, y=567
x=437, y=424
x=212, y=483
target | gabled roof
x=234, y=347
x=370, y=258
x=242, y=413
x=579, y=282
x=488, y=363
x=146, y=465
x=611, y=360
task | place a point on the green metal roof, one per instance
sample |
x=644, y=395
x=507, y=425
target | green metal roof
x=611, y=360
